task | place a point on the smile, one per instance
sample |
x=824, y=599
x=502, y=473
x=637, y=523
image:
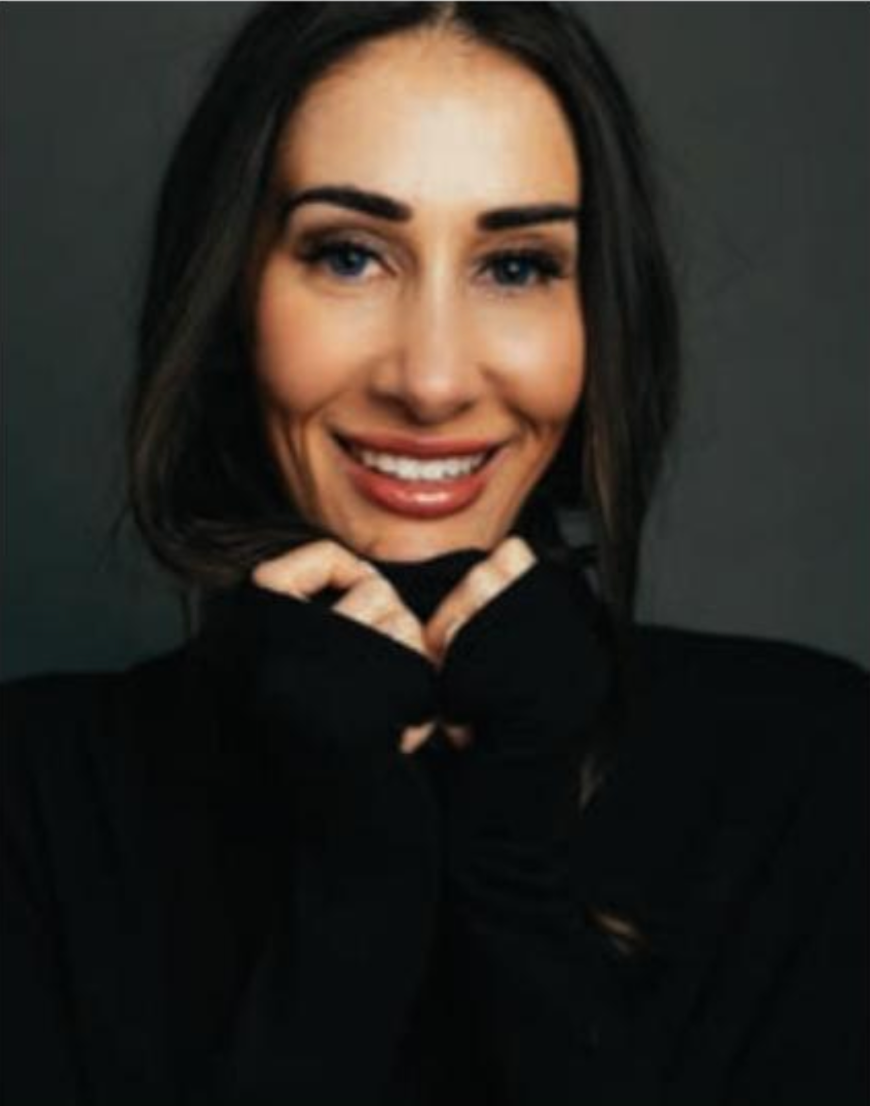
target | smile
x=415, y=486
x=412, y=468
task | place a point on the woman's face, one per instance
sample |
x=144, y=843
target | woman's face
x=418, y=364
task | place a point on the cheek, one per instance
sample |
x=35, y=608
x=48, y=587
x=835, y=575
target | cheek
x=545, y=360
x=301, y=351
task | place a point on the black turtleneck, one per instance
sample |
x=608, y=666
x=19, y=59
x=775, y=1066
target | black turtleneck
x=222, y=883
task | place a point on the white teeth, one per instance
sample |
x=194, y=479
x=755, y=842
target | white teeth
x=410, y=468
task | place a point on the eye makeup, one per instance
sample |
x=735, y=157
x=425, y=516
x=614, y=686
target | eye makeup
x=319, y=249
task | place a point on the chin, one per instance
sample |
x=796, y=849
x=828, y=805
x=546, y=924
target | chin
x=418, y=542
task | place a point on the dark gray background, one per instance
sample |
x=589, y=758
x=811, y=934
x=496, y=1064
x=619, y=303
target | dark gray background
x=760, y=119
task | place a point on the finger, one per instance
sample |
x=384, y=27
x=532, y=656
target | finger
x=414, y=737
x=403, y=627
x=310, y=568
x=367, y=601
x=483, y=583
x=473, y=592
x=515, y=556
x=375, y=603
x=460, y=737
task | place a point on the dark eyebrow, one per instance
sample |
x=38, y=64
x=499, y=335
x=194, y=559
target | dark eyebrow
x=384, y=207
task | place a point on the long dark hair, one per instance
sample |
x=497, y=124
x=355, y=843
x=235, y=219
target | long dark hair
x=203, y=490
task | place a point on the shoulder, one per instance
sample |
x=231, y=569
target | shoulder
x=767, y=686
x=72, y=742
x=731, y=663
x=720, y=731
x=759, y=728
x=44, y=715
x=104, y=775
x=47, y=722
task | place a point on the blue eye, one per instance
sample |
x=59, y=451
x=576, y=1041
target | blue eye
x=513, y=265
x=346, y=260
x=337, y=254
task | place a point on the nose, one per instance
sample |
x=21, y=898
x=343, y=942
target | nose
x=430, y=372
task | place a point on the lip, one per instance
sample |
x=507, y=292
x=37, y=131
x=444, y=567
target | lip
x=422, y=499
x=419, y=447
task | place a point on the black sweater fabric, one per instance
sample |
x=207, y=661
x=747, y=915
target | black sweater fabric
x=223, y=885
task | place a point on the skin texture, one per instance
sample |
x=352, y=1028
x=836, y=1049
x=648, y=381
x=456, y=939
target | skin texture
x=420, y=328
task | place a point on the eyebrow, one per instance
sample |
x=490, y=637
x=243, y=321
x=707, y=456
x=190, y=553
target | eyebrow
x=384, y=207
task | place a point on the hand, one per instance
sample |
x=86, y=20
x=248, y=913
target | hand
x=483, y=583
x=528, y=674
x=479, y=587
x=369, y=600
x=521, y=642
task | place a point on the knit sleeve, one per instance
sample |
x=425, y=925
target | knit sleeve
x=529, y=674
x=319, y=1020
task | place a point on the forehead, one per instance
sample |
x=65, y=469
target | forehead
x=436, y=120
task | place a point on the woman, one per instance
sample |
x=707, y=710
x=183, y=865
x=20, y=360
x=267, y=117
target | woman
x=419, y=815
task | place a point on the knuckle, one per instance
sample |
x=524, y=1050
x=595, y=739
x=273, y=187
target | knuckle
x=487, y=579
x=360, y=605
x=274, y=575
x=278, y=572
x=331, y=550
x=403, y=628
x=514, y=554
x=349, y=604
x=401, y=622
x=269, y=569
x=370, y=595
x=262, y=575
x=380, y=588
x=480, y=574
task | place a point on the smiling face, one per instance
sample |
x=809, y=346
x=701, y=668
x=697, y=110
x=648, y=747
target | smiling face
x=417, y=363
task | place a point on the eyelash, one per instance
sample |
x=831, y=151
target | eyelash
x=549, y=268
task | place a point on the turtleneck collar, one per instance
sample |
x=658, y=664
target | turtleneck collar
x=423, y=584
